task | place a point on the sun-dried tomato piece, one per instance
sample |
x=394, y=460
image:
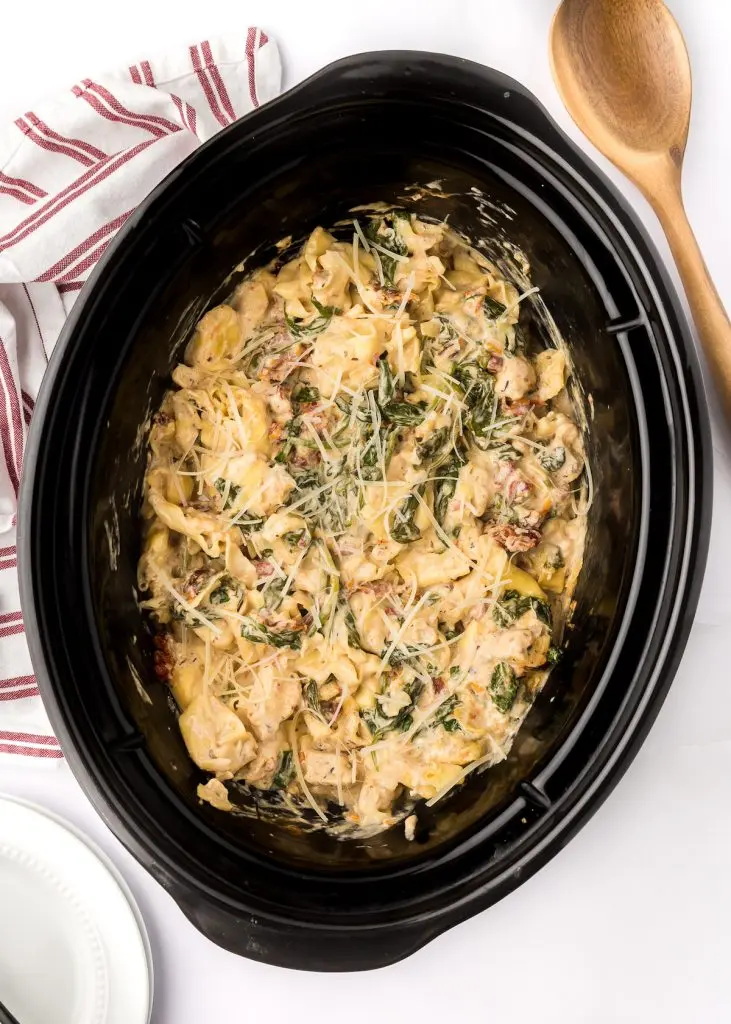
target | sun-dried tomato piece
x=516, y=538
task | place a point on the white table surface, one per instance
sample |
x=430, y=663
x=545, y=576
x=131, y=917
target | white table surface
x=630, y=922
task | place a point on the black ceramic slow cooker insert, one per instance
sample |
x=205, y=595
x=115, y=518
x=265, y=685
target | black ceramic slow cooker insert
x=360, y=131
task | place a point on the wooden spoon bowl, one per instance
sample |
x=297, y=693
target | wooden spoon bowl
x=623, y=72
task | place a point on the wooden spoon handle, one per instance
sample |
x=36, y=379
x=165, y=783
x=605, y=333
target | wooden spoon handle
x=711, y=319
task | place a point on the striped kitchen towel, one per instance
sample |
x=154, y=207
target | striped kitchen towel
x=71, y=172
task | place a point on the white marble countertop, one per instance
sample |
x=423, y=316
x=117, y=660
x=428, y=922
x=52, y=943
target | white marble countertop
x=630, y=922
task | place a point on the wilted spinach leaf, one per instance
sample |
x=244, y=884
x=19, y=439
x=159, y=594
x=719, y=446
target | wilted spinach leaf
x=233, y=491
x=511, y=605
x=401, y=655
x=379, y=724
x=386, y=382
x=382, y=231
x=370, y=466
x=434, y=444
x=299, y=329
x=503, y=687
x=273, y=593
x=258, y=633
x=402, y=526
x=479, y=396
x=445, y=487
x=444, y=715
x=306, y=393
x=553, y=459
x=220, y=595
x=405, y=414
x=312, y=696
x=554, y=655
x=352, y=630
x=285, y=772
x=493, y=308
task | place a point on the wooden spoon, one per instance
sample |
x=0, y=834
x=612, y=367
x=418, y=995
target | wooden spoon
x=623, y=72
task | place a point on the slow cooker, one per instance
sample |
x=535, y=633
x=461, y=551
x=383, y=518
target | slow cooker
x=369, y=128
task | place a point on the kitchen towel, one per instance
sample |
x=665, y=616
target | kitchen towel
x=71, y=172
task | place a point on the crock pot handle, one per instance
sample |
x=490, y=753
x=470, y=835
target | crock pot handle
x=305, y=947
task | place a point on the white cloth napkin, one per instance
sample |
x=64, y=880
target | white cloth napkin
x=71, y=172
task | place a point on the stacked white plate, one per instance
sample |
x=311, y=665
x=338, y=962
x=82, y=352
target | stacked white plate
x=73, y=947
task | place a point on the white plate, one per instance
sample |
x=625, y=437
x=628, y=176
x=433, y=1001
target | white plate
x=73, y=948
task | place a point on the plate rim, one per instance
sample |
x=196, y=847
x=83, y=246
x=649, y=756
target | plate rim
x=115, y=875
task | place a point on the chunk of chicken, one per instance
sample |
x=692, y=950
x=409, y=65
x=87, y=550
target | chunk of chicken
x=271, y=701
x=322, y=768
x=216, y=738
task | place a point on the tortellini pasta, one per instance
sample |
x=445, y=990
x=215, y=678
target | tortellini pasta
x=364, y=523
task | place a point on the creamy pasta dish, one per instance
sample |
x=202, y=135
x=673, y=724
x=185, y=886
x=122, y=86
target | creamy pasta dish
x=364, y=520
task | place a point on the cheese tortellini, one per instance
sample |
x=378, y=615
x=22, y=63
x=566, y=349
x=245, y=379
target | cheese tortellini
x=364, y=523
